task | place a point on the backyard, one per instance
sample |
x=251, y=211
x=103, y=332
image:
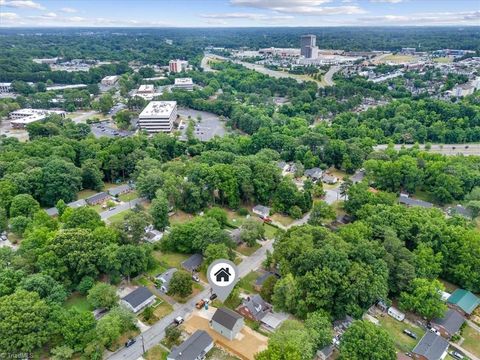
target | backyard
x=472, y=340
x=395, y=328
x=79, y=302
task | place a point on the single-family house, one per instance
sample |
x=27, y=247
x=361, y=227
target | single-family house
x=76, y=204
x=283, y=166
x=227, y=323
x=193, y=262
x=235, y=236
x=262, y=211
x=314, y=174
x=329, y=179
x=408, y=201
x=97, y=198
x=259, y=281
x=165, y=278
x=325, y=353
x=272, y=320
x=138, y=299
x=449, y=324
x=339, y=326
x=460, y=211
x=254, y=308
x=152, y=236
x=395, y=313
x=119, y=190
x=194, y=348
x=464, y=301
x=430, y=347
x=52, y=211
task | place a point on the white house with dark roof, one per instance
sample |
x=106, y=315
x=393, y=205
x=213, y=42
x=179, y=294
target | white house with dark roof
x=314, y=173
x=262, y=211
x=227, y=323
x=194, y=348
x=193, y=262
x=165, y=279
x=138, y=299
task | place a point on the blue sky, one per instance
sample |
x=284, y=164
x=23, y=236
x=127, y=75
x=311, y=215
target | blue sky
x=226, y=13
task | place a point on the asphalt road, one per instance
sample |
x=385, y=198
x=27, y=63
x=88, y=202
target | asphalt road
x=119, y=208
x=444, y=149
x=156, y=332
x=328, y=78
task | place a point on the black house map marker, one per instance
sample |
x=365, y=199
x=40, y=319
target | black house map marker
x=222, y=276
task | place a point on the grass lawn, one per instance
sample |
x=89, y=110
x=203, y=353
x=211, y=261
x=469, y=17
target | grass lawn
x=170, y=259
x=156, y=353
x=248, y=281
x=123, y=339
x=338, y=173
x=399, y=58
x=282, y=219
x=118, y=217
x=423, y=195
x=161, y=309
x=443, y=60
x=271, y=231
x=338, y=207
x=79, y=302
x=248, y=250
x=128, y=196
x=234, y=219
x=86, y=193
x=472, y=340
x=395, y=328
x=180, y=217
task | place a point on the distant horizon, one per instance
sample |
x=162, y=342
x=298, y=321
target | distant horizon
x=237, y=13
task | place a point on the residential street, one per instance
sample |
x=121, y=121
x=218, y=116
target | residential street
x=444, y=149
x=119, y=208
x=156, y=332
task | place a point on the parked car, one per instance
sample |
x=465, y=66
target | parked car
x=409, y=333
x=195, y=278
x=178, y=320
x=200, y=304
x=435, y=331
x=456, y=355
x=213, y=297
x=130, y=342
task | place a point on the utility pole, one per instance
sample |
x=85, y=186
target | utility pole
x=143, y=344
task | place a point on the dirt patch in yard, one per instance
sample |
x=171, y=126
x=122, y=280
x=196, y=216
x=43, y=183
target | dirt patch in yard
x=245, y=346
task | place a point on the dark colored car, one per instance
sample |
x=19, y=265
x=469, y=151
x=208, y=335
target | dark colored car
x=130, y=342
x=409, y=333
x=213, y=296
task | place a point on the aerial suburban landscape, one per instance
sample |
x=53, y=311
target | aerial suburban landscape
x=240, y=180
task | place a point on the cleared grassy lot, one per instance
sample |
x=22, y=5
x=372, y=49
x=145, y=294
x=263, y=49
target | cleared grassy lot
x=79, y=302
x=395, y=328
x=472, y=340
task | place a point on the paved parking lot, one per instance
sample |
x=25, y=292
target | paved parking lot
x=207, y=128
x=106, y=128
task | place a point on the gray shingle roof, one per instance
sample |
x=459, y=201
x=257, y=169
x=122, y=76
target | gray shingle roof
x=226, y=318
x=193, y=347
x=97, y=197
x=138, y=296
x=431, y=346
x=314, y=173
x=452, y=321
x=117, y=190
x=193, y=262
x=257, y=306
x=414, y=202
x=265, y=210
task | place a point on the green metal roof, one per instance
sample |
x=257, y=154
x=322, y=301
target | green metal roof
x=465, y=300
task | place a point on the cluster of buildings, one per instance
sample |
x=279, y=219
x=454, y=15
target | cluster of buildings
x=158, y=116
x=22, y=117
x=177, y=66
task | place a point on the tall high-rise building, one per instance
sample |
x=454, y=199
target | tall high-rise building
x=305, y=42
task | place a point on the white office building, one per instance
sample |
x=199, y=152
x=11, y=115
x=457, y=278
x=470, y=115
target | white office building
x=158, y=116
x=22, y=117
x=110, y=80
x=177, y=65
x=5, y=87
x=184, y=83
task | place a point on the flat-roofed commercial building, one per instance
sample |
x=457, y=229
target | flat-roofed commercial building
x=5, y=87
x=22, y=117
x=184, y=83
x=177, y=66
x=110, y=80
x=158, y=116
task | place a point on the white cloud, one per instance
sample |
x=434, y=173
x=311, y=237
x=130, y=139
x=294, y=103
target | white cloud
x=69, y=10
x=28, y=4
x=300, y=7
x=440, y=18
x=387, y=1
x=247, y=16
x=8, y=16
